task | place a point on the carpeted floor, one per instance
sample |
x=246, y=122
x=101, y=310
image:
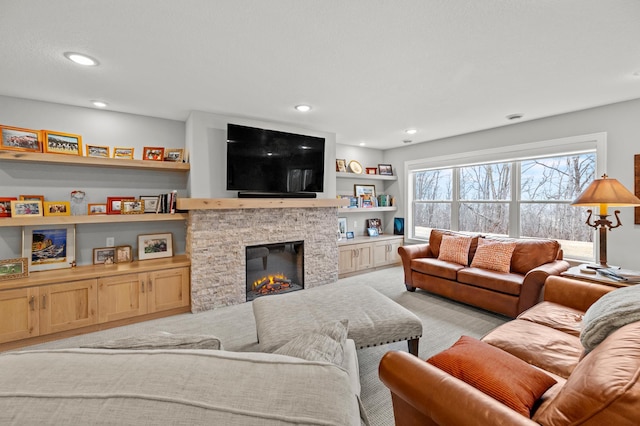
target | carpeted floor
x=444, y=321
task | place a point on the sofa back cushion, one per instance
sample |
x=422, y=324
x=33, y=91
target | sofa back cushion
x=435, y=239
x=531, y=253
x=604, y=388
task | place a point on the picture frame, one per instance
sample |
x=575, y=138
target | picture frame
x=5, y=206
x=26, y=208
x=372, y=170
x=385, y=170
x=124, y=254
x=155, y=246
x=175, y=155
x=97, y=151
x=153, y=153
x=375, y=223
x=373, y=232
x=104, y=256
x=342, y=226
x=49, y=247
x=122, y=152
x=350, y=235
x=61, y=143
x=341, y=165
x=114, y=204
x=11, y=269
x=360, y=190
x=97, y=208
x=57, y=208
x=132, y=207
x=31, y=198
x=151, y=203
x=355, y=167
x=19, y=139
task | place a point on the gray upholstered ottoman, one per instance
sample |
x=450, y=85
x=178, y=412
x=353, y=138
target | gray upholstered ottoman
x=374, y=319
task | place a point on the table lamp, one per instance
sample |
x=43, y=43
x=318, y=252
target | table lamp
x=603, y=193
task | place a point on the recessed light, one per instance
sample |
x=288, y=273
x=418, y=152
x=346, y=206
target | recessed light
x=411, y=131
x=81, y=59
x=362, y=144
x=516, y=116
x=407, y=141
x=303, y=108
x=99, y=104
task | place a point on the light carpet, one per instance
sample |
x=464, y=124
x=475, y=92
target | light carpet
x=444, y=321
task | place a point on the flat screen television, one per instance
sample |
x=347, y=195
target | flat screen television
x=261, y=161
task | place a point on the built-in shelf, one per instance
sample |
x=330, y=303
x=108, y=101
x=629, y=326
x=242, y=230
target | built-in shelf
x=106, y=218
x=368, y=209
x=256, y=203
x=364, y=176
x=76, y=160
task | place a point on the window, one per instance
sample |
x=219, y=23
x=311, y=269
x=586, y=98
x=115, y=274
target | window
x=529, y=196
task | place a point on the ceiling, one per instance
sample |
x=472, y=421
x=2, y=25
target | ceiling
x=369, y=68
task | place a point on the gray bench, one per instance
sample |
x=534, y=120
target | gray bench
x=374, y=319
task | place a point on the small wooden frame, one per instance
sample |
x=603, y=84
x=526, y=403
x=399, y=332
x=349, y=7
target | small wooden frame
x=124, y=254
x=153, y=153
x=30, y=208
x=155, y=246
x=360, y=190
x=11, y=269
x=97, y=208
x=132, y=207
x=31, y=197
x=19, y=139
x=385, y=169
x=61, y=143
x=114, y=204
x=104, y=256
x=97, y=151
x=341, y=165
x=5, y=206
x=151, y=203
x=57, y=208
x=372, y=170
x=121, y=152
x=175, y=155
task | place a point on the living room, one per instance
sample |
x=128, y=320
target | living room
x=555, y=109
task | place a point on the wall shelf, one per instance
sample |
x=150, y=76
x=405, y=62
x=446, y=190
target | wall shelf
x=344, y=175
x=106, y=218
x=368, y=209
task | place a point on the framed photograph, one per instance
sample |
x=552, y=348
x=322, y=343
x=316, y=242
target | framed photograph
x=341, y=165
x=373, y=232
x=132, y=207
x=31, y=198
x=120, y=152
x=124, y=254
x=375, y=223
x=372, y=170
x=114, y=204
x=14, y=268
x=5, y=206
x=155, y=246
x=355, y=167
x=350, y=235
x=49, y=246
x=61, y=143
x=174, y=154
x=151, y=203
x=361, y=190
x=104, y=256
x=385, y=169
x=26, y=208
x=96, y=209
x=97, y=151
x=153, y=153
x=57, y=208
x=342, y=226
x=17, y=139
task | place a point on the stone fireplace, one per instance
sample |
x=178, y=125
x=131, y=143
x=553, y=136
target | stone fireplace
x=274, y=268
x=217, y=239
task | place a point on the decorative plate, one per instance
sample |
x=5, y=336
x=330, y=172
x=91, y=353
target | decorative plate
x=355, y=167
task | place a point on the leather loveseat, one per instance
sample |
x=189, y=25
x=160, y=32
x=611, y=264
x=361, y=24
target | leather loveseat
x=508, y=292
x=599, y=387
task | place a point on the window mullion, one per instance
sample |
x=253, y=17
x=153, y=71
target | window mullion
x=514, y=203
x=455, y=199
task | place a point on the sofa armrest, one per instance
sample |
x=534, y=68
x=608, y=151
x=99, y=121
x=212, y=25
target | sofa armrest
x=531, y=291
x=573, y=293
x=424, y=394
x=407, y=253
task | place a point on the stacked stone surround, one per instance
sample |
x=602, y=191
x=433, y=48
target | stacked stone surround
x=216, y=242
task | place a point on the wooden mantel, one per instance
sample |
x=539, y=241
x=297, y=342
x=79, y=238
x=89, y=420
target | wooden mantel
x=256, y=203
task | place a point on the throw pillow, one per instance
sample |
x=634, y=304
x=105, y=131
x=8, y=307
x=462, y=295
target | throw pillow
x=455, y=248
x=494, y=255
x=160, y=341
x=612, y=311
x=495, y=372
x=326, y=343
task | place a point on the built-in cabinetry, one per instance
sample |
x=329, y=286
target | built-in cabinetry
x=362, y=254
x=368, y=179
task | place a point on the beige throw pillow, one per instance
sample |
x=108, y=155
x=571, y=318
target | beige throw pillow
x=494, y=255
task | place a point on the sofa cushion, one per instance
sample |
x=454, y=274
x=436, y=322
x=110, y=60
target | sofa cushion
x=604, y=387
x=556, y=316
x=435, y=239
x=455, y=248
x=546, y=348
x=496, y=373
x=326, y=343
x=492, y=280
x=436, y=267
x=531, y=253
x=160, y=341
x=494, y=255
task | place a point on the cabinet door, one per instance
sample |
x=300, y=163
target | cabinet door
x=364, y=257
x=168, y=289
x=393, y=256
x=346, y=259
x=380, y=253
x=67, y=306
x=18, y=314
x=121, y=296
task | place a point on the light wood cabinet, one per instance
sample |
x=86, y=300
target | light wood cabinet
x=354, y=258
x=386, y=252
x=363, y=254
x=18, y=314
x=68, y=306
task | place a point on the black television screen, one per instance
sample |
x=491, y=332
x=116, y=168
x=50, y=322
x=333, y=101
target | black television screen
x=269, y=161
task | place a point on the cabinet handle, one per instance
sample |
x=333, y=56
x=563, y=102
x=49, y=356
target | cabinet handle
x=142, y=285
x=32, y=303
x=150, y=285
x=44, y=301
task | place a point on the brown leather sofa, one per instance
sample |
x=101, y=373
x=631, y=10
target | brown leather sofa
x=509, y=294
x=599, y=388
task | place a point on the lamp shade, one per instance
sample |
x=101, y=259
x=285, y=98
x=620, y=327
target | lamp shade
x=606, y=191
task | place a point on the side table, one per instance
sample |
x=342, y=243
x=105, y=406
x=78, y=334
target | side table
x=577, y=273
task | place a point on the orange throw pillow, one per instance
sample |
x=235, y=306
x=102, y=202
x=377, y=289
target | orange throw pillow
x=494, y=255
x=495, y=372
x=454, y=248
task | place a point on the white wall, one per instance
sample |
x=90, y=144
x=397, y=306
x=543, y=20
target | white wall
x=621, y=123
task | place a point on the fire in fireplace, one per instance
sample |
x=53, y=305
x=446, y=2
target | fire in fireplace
x=274, y=268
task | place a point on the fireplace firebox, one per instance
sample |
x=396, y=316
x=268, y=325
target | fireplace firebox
x=274, y=268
